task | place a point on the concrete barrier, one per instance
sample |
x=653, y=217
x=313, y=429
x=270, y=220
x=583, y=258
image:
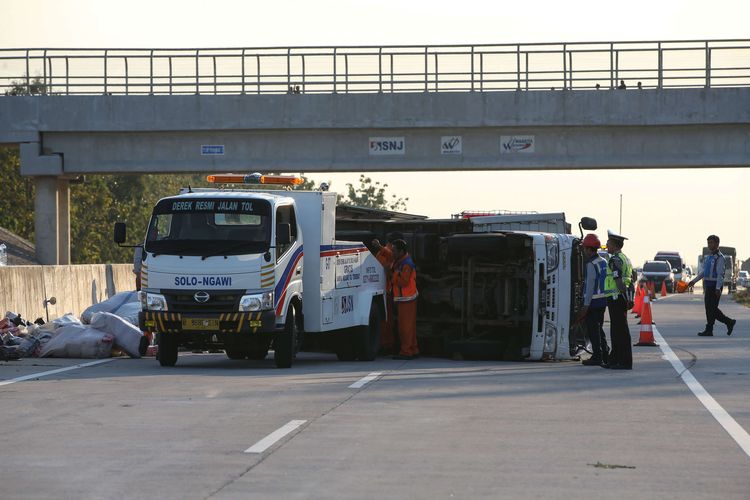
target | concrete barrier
x=23, y=289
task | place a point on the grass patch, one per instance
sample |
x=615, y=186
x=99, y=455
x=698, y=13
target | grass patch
x=742, y=297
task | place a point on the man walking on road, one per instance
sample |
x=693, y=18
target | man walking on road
x=594, y=300
x=616, y=285
x=712, y=275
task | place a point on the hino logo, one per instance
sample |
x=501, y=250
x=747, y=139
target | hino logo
x=201, y=297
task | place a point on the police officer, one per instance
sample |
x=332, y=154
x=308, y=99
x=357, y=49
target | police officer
x=712, y=275
x=594, y=300
x=616, y=287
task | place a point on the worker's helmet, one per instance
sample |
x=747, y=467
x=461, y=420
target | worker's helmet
x=592, y=240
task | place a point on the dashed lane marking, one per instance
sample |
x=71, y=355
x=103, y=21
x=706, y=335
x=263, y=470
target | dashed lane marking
x=364, y=380
x=740, y=435
x=274, y=437
x=52, y=372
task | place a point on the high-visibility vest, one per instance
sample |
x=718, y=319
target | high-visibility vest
x=599, y=266
x=404, y=292
x=385, y=257
x=610, y=287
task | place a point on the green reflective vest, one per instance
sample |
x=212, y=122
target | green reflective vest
x=610, y=287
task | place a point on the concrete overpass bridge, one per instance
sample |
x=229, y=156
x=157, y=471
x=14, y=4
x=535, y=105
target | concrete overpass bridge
x=342, y=109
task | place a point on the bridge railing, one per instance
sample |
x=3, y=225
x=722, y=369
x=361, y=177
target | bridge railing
x=438, y=68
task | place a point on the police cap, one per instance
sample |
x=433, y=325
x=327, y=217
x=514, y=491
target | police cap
x=616, y=237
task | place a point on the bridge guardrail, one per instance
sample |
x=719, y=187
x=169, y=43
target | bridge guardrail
x=388, y=69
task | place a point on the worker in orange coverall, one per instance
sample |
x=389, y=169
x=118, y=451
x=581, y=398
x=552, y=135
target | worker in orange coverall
x=384, y=255
x=404, y=285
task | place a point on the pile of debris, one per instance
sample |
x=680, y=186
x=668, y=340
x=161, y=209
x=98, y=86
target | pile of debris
x=105, y=329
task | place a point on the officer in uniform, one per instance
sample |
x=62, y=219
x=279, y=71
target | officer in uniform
x=712, y=275
x=619, y=300
x=594, y=300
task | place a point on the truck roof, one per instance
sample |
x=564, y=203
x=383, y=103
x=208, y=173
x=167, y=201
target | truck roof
x=236, y=193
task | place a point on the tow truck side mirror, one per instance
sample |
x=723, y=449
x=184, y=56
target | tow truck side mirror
x=283, y=234
x=588, y=223
x=120, y=232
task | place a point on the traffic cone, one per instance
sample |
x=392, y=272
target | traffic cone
x=638, y=302
x=651, y=290
x=663, y=288
x=646, y=337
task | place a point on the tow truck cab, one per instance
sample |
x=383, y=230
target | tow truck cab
x=247, y=270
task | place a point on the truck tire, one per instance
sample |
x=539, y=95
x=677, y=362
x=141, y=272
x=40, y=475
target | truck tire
x=368, y=336
x=167, y=350
x=285, y=343
x=345, y=346
x=235, y=352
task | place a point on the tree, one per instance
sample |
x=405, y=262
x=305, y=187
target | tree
x=17, y=198
x=372, y=195
x=19, y=87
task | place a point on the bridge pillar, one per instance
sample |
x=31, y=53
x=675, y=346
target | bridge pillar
x=46, y=221
x=63, y=221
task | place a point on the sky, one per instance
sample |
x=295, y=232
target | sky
x=661, y=209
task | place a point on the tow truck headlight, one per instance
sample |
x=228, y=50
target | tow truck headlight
x=550, y=338
x=153, y=302
x=553, y=253
x=257, y=302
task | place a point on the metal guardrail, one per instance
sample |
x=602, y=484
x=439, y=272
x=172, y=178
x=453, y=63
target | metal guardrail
x=439, y=68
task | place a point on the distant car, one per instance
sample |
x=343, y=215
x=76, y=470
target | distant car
x=676, y=262
x=743, y=279
x=688, y=273
x=659, y=271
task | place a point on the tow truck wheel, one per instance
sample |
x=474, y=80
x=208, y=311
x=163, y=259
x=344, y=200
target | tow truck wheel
x=167, y=350
x=285, y=342
x=235, y=352
x=368, y=336
x=345, y=345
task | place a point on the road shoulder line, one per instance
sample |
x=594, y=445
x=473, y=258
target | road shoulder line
x=52, y=372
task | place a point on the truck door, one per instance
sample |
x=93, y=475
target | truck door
x=288, y=262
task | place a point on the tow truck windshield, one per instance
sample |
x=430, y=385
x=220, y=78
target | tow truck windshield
x=209, y=227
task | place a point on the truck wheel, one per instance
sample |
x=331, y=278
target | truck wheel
x=167, y=350
x=368, y=336
x=258, y=348
x=235, y=352
x=285, y=343
x=345, y=345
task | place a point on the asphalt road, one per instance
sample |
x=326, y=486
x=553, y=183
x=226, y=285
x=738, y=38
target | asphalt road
x=427, y=428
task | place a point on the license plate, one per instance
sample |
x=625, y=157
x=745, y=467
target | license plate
x=200, y=324
x=255, y=323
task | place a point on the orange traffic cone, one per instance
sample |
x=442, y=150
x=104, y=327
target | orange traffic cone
x=638, y=302
x=663, y=288
x=651, y=290
x=646, y=337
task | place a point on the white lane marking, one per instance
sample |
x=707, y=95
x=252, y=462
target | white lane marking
x=364, y=380
x=52, y=372
x=276, y=435
x=740, y=435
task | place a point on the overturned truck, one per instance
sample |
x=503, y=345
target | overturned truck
x=492, y=287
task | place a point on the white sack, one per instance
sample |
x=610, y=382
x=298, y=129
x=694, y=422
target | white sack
x=78, y=341
x=65, y=320
x=127, y=337
x=110, y=305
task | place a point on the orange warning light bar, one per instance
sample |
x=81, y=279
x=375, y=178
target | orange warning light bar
x=256, y=178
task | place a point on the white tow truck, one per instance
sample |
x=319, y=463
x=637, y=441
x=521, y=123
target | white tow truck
x=247, y=270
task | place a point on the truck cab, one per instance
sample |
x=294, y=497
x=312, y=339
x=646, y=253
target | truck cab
x=248, y=270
